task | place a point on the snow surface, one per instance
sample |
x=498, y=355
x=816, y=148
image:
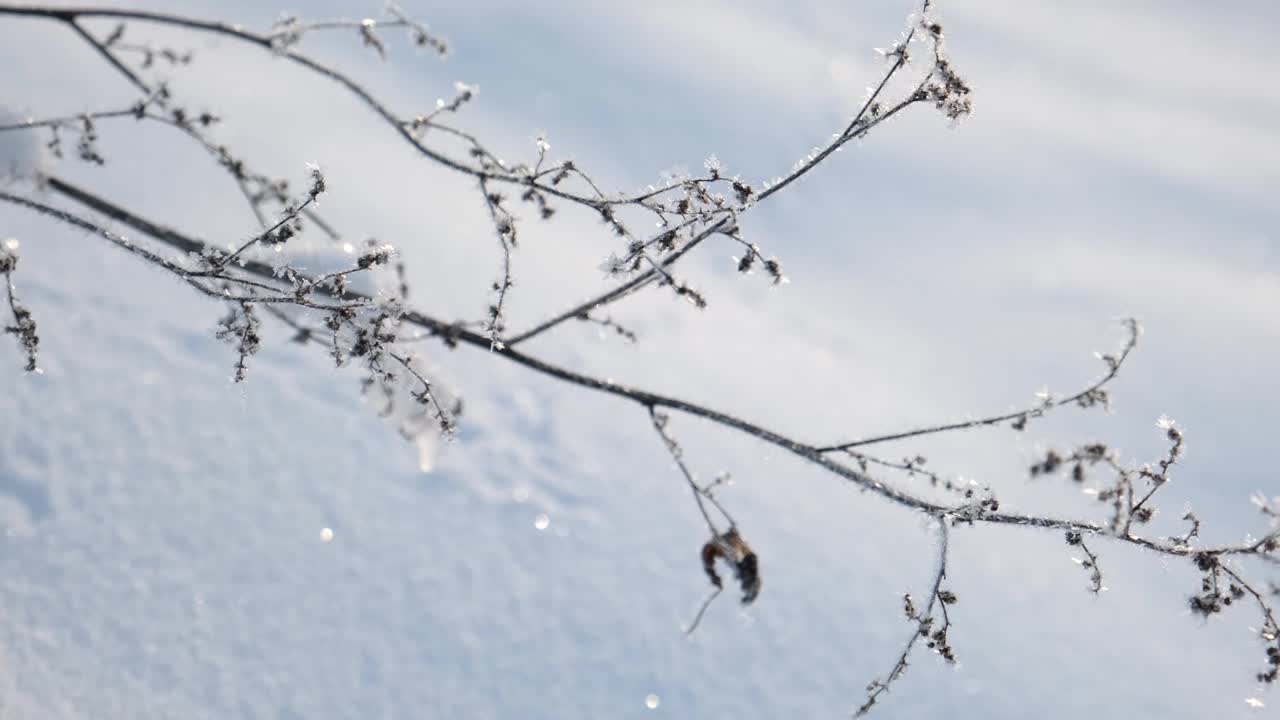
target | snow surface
x=165, y=550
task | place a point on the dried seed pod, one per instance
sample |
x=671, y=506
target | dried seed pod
x=746, y=566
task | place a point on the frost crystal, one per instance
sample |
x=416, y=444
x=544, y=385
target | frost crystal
x=613, y=265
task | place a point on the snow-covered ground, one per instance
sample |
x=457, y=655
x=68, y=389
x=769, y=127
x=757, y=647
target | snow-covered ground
x=178, y=546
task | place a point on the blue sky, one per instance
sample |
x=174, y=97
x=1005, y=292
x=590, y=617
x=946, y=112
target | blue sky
x=163, y=554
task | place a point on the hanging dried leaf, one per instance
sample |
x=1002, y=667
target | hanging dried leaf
x=734, y=550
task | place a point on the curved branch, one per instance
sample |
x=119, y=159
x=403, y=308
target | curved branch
x=625, y=289
x=1092, y=395
x=488, y=168
x=455, y=334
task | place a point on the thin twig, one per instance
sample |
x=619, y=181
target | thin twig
x=1088, y=396
x=702, y=610
x=622, y=290
x=677, y=454
x=923, y=622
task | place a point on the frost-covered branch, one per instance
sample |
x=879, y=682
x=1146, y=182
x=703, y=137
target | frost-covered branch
x=373, y=329
x=455, y=335
x=926, y=626
x=1094, y=395
x=688, y=209
x=24, y=326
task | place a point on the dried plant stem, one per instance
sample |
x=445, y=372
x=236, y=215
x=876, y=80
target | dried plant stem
x=455, y=334
x=923, y=620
